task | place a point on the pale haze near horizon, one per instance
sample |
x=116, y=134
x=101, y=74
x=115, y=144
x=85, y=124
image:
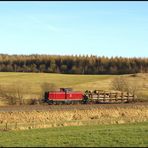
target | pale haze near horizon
x=74, y=28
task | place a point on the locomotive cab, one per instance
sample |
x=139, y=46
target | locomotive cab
x=66, y=89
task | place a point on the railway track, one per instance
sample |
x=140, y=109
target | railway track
x=46, y=107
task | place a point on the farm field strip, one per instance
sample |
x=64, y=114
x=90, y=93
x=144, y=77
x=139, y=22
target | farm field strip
x=52, y=118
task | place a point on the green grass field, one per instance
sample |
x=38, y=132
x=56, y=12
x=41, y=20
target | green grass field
x=33, y=81
x=123, y=135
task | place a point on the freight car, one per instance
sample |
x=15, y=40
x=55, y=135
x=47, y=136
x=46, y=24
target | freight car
x=68, y=96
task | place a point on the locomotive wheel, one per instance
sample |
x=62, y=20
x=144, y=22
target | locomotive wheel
x=59, y=102
x=50, y=102
x=54, y=103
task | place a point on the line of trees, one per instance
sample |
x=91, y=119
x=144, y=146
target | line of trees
x=78, y=64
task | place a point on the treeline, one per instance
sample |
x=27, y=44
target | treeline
x=78, y=64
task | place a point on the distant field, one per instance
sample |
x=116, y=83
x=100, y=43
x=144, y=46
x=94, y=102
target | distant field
x=33, y=81
x=126, y=135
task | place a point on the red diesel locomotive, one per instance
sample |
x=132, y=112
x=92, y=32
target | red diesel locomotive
x=64, y=96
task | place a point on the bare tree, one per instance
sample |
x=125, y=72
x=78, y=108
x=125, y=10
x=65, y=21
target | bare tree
x=122, y=84
x=48, y=86
x=20, y=90
x=45, y=87
x=13, y=93
x=119, y=83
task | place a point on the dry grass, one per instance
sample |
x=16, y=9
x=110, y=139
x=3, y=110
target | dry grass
x=43, y=119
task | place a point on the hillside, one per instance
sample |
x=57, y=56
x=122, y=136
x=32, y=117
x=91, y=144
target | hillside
x=32, y=81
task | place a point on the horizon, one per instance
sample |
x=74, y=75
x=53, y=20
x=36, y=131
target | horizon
x=109, y=29
x=109, y=57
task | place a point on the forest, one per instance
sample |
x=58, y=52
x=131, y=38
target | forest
x=72, y=64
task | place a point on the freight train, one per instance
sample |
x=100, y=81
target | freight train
x=68, y=96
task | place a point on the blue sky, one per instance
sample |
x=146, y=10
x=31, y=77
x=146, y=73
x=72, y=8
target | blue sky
x=70, y=28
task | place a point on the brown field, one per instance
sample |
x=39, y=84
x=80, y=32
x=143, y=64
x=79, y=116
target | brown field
x=52, y=116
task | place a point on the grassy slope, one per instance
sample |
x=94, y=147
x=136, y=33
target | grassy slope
x=100, y=135
x=77, y=82
x=34, y=80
